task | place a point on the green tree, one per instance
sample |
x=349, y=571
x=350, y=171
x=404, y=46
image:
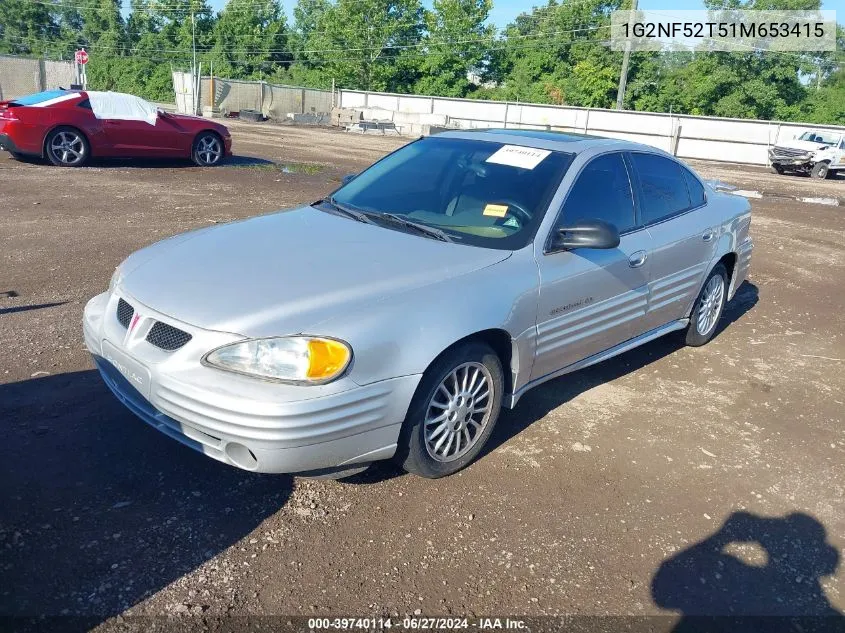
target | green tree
x=26, y=28
x=369, y=44
x=456, y=42
x=542, y=50
x=250, y=39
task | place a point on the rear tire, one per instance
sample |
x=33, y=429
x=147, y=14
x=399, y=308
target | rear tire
x=453, y=412
x=820, y=171
x=779, y=169
x=207, y=150
x=67, y=147
x=708, y=308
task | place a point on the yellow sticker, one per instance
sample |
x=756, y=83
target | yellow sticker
x=496, y=210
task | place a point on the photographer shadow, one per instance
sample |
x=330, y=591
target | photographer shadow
x=753, y=574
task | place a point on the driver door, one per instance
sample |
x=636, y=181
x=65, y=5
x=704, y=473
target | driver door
x=593, y=299
x=139, y=138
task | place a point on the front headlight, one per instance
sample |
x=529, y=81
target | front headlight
x=297, y=359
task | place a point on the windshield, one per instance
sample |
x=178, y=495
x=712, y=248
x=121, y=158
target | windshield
x=825, y=138
x=481, y=193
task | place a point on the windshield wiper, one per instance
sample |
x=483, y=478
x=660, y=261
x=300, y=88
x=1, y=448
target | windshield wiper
x=347, y=211
x=419, y=227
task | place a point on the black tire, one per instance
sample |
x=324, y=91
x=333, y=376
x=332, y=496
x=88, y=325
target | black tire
x=778, y=169
x=820, y=171
x=204, y=153
x=695, y=337
x=413, y=452
x=67, y=147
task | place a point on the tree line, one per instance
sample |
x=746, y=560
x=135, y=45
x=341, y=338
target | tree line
x=556, y=53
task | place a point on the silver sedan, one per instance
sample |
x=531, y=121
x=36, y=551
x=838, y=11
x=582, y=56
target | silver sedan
x=394, y=318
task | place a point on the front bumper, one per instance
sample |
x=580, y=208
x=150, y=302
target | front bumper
x=790, y=161
x=245, y=422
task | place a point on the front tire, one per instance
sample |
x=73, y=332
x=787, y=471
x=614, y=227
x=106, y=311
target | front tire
x=820, y=171
x=708, y=307
x=453, y=412
x=207, y=150
x=67, y=147
x=778, y=169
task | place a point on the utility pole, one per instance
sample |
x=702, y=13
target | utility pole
x=623, y=76
x=194, y=74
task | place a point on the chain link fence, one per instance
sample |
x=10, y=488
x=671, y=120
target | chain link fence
x=272, y=100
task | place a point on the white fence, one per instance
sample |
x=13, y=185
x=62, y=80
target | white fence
x=709, y=138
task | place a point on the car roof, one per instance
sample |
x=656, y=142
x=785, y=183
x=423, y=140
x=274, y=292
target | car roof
x=570, y=142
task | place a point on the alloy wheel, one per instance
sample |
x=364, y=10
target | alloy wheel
x=711, y=305
x=68, y=148
x=458, y=412
x=209, y=149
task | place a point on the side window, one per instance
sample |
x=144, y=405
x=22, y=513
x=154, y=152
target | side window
x=86, y=104
x=663, y=187
x=696, y=191
x=601, y=192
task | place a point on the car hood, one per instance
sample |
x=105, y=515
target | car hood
x=189, y=120
x=810, y=146
x=285, y=272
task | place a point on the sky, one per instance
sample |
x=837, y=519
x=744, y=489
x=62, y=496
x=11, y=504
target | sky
x=504, y=11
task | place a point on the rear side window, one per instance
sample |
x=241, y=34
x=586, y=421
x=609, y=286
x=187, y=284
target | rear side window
x=86, y=104
x=696, y=191
x=662, y=185
x=601, y=192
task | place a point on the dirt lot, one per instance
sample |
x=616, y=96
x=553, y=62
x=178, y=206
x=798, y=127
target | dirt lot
x=669, y=480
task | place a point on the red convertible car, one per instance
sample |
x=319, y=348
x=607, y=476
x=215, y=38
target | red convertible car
x=69, y=126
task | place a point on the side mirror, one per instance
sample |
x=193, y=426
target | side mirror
x=586, y=234
x=347, y=179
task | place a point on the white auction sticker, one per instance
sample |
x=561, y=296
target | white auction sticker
x=517, y=156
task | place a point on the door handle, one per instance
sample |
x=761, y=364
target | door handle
x=708, y=235
x=637, y=259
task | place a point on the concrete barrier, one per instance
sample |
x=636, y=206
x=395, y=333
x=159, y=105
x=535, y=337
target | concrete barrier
x=698, y=137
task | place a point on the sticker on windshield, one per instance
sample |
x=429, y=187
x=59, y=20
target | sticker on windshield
x=496, y=210
x=517, y=156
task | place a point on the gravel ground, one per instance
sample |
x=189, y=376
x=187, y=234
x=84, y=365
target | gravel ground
x=669, y=480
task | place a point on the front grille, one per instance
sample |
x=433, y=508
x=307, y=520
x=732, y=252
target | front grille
x=788, y=152
x=124, y=313
x=167, y=337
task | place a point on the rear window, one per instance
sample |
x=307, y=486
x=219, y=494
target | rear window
x=42, y=98
x=696, y=191
x=663, y=187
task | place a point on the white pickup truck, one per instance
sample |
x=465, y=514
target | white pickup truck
x=815, y=152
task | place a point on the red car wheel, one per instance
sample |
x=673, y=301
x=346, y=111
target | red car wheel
x=208, y=149
x=67, y=147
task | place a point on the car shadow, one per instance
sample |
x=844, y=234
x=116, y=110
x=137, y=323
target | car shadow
x=538, y=402
x=752, y=566
x=154, y=163
x=99, y=511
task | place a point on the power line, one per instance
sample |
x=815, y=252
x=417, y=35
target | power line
x=431, y=42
